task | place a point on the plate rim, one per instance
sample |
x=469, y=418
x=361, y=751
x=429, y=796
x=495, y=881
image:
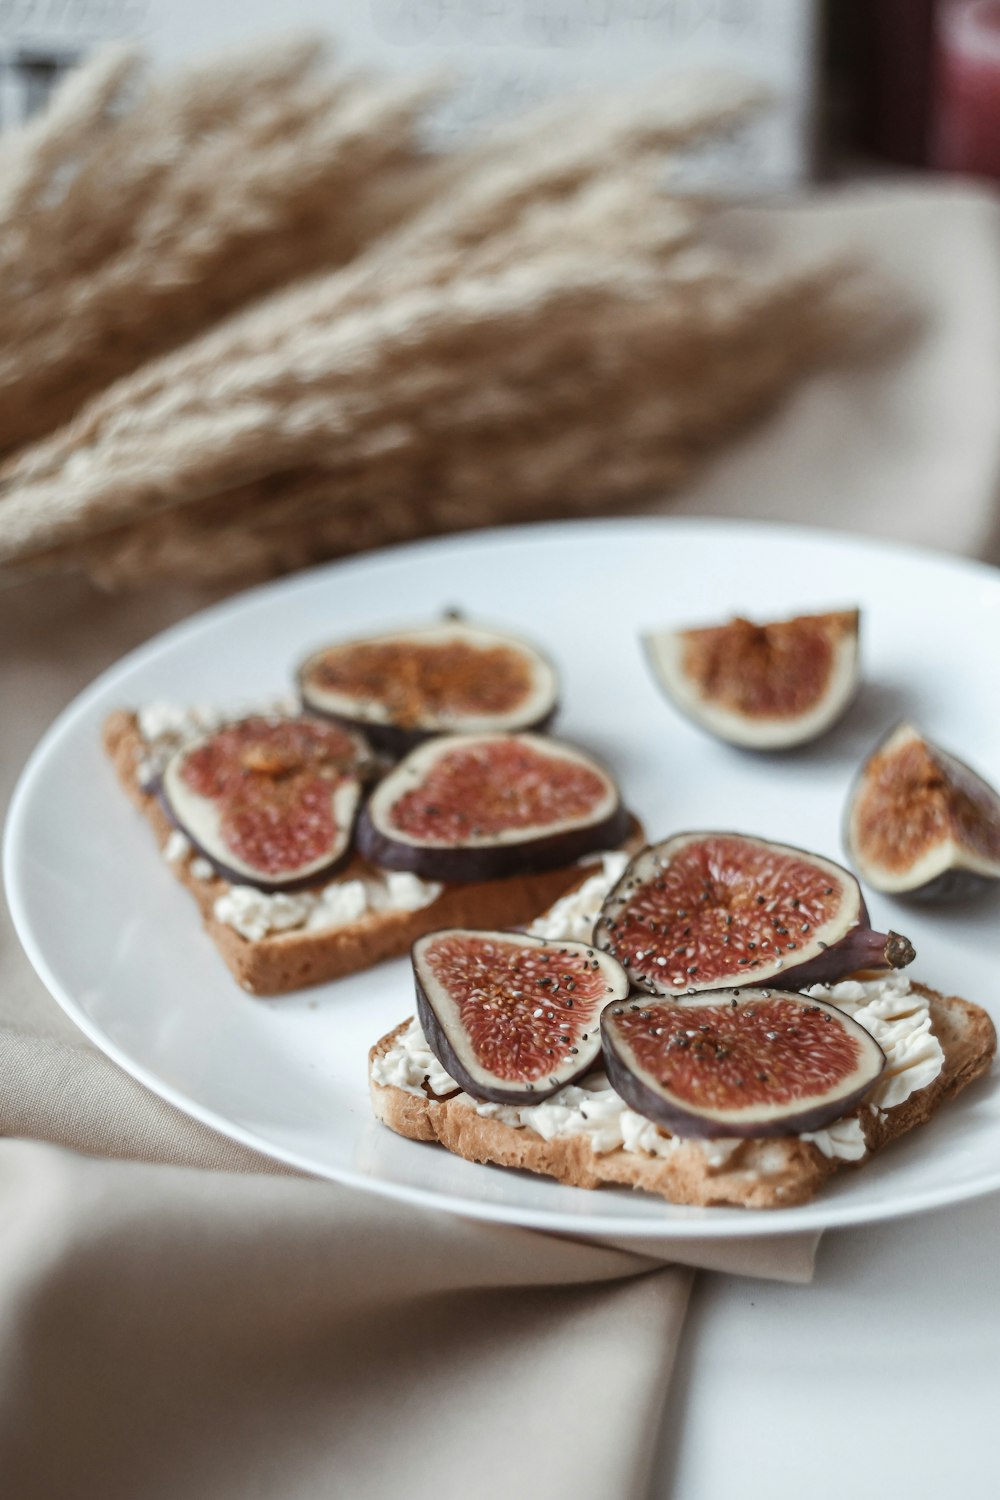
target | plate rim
x=817, y=1215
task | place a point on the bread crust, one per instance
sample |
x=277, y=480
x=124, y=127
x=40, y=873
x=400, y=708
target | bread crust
x=773, y=1173
x=283, y=962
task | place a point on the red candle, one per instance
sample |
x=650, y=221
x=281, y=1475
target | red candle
x=967, y=93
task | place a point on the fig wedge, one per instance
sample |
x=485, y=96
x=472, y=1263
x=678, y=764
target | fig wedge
x=447, y=678
x=704, y=911
x=763, y=687
x=512, y=1018
x=269, y=802
x=920, y=822
x=753, y=1062
x=477, y=807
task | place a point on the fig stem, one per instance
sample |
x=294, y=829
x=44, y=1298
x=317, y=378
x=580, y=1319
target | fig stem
x=898, y=950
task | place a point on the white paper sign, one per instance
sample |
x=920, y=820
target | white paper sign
x=506, y=52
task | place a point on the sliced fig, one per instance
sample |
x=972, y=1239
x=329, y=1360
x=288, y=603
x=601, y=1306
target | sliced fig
x=440, y=679
x=512, y=1018
x=703, y=911
x=269, y=802
x=754, y=1062
x=920, y=822
x=477, y=807
x=764, y=687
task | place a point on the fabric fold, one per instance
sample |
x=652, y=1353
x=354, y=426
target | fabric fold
x=166, y=1332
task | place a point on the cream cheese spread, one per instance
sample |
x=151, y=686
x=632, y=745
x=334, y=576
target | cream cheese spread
x=896, y=1016
x=254, y=914
x=166, y=728
x=177, y=848
x=572, y=918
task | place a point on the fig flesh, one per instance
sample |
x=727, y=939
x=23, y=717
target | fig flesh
x=448, y=678
x=920, y=822
x=764, y=687
x=477, y=807
x=703, y=911
x=512, y=1018
x=748, y=1062
x=270, y=802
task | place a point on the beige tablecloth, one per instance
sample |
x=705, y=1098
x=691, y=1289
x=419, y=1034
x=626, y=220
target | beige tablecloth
x=237, y=1331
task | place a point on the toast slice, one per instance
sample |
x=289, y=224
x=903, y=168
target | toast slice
x=765, y=1173
x=279, y=962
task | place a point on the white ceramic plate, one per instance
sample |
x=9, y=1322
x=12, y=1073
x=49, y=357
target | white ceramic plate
x=118, y=942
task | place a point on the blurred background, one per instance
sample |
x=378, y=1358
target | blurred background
x=911, y=82
x=279, y=285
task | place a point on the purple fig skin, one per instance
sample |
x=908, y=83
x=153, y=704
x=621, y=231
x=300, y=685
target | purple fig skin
x=741, y=736
x=397, y=740
x=955, y=883
x=646, y=1102
x=458, y=866
x=261, y=883
x=581, y=1023
x=858, y=948
x=394, y=741
x=689, y=1124
x=437, y=1040
x=951, y=885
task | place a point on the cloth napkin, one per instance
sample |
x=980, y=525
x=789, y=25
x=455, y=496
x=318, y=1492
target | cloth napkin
x=182, y=1317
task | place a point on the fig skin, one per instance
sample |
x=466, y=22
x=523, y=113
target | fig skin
x=836, y=631
x=349, y=791
x=821, y=961
x=773, y=1118
x=394, y=739
x=242, y=877
x=585, y=1033
x=924, y=789
x=460, y=864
